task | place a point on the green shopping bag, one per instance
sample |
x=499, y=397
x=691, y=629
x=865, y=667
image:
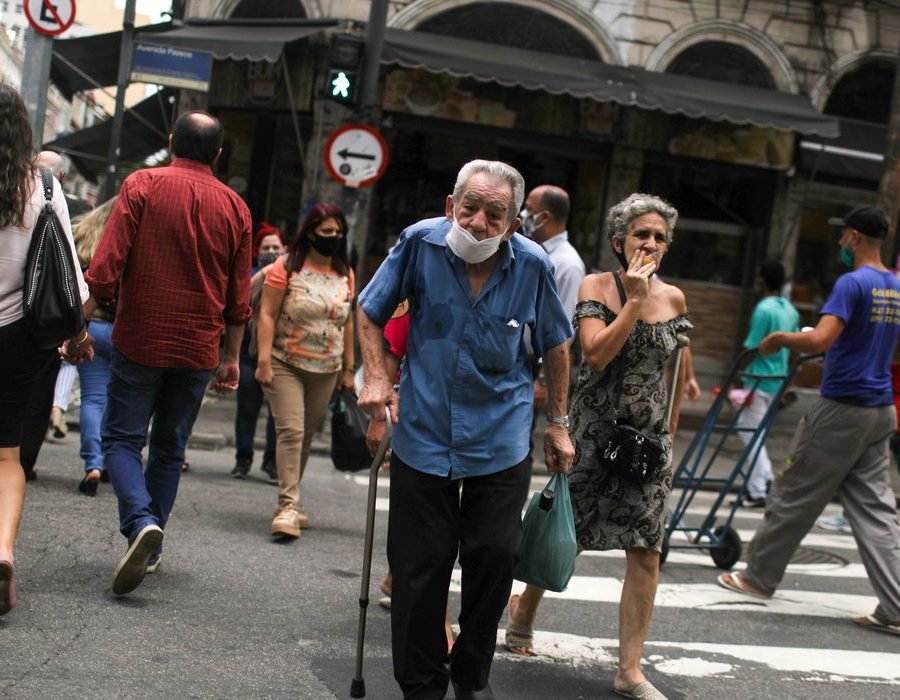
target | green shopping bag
x=548, y=550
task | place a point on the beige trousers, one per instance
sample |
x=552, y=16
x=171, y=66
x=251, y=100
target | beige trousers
x=298, y=401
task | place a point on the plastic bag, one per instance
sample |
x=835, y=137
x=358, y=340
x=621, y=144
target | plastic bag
x=348, y=432
x=548, y=550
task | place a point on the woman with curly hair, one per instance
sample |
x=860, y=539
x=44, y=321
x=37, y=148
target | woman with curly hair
x=304, y=347
x=21, y=200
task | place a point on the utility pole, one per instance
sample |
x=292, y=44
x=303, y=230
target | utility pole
x=374, y=44
x=889, y=187
x=36, y=79
x=127, y=47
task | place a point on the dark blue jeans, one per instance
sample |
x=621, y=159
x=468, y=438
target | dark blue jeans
x=249, y=403
x=171, y=397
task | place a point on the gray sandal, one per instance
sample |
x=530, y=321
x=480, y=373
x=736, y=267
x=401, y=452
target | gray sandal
x=519, y=636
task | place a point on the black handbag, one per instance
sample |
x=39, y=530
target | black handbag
x=51, y=298
x=349, y=424
x=626, y=451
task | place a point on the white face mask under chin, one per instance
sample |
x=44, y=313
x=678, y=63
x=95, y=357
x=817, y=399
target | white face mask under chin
x=466, y=246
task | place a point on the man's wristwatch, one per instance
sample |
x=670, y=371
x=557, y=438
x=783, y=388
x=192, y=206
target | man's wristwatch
x=559, y=420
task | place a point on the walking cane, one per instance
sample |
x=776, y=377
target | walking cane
x=358, y=685
x=682, y=341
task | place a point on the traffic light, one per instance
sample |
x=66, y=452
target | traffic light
x=344, y=64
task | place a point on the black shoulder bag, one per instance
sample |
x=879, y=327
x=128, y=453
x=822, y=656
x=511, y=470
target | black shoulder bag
x=628, y=452
x=51, y=298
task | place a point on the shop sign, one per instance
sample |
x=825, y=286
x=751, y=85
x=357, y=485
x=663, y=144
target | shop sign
x=50, y=17
x=168, y=65
x=356, y=155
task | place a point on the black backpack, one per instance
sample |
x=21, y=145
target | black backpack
x=51, y=298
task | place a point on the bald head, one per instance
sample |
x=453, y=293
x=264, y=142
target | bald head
x=197, y=136
x=53, y=161
x=549, y=205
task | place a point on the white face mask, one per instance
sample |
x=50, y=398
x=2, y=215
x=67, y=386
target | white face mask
x=467, y=247
x=527, y=223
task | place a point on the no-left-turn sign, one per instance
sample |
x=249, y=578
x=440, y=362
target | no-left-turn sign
x=50, y=17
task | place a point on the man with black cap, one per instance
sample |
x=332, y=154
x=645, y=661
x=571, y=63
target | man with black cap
x=841, y=444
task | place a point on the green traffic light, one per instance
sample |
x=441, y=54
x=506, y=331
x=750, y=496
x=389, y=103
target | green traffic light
x=340, y=86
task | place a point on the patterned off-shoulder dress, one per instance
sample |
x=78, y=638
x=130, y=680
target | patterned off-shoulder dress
x=611, y=513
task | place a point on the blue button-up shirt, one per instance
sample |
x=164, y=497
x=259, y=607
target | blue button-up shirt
x=466, y=388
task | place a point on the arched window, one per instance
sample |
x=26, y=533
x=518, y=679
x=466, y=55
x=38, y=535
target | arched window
x=511, y=25
x=258, y=9
x=864, y=93
x=718, y=60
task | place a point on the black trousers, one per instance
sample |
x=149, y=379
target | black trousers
x=432, y=519
x=37, y=412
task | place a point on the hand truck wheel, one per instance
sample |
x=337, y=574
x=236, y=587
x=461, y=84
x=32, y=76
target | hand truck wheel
x=728, y=552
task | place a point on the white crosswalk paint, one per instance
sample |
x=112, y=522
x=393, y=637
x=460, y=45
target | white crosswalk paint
x=676, y=658
x=710, y=596
x=830, y=570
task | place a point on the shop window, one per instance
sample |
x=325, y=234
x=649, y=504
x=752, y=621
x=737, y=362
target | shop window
x=723, y=211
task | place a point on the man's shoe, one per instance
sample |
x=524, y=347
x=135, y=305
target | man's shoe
x=835, y=523
x=286, y=523
x=271, y=470
x=461, y=693
x=58, y=422
x=241, y=468
x=133, y=566
x=750, y=502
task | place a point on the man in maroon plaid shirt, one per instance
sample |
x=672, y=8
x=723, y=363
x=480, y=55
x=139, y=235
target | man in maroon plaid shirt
x=176, y=256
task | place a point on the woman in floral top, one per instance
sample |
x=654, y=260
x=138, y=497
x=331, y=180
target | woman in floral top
x=305, y=347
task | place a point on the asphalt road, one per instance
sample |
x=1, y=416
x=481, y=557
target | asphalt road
x=231, y=614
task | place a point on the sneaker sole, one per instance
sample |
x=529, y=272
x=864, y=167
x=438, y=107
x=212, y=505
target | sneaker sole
x=133, y=566
x=285, y=532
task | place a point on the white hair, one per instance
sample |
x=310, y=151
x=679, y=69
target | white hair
x=498, y=169
x=634, y=205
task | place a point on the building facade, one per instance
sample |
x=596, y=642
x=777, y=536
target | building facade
x=713, y=106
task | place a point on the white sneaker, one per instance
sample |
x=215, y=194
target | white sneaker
x=835, y=523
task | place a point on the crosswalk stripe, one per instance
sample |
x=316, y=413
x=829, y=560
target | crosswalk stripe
x=830, y=570
x=710, y=596
x=676, y=658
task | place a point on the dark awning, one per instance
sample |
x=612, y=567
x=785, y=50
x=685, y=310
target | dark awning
x=857, y=153
x=244, y=40
x=146, y=127
x=625, y=85
x=86, y=62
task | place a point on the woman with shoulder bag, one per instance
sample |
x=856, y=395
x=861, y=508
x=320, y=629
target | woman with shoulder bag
x=627, y=323
x=304, y=348
x=21, y=201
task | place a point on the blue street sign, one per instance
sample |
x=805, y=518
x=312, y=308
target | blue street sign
x=172, y=66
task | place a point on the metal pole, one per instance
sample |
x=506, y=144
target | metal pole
x=36, y=79
x=109, y=188
x=374, y=43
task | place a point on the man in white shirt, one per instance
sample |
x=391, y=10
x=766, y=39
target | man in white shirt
x=544, y=220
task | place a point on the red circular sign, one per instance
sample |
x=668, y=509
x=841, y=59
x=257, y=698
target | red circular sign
x=356, y=155
x=50, y=17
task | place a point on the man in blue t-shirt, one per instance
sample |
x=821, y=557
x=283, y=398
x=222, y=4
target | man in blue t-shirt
x=772, y=313
x=841, y=444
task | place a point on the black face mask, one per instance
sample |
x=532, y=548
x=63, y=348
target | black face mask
x=327, y=245
x=266, y=258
